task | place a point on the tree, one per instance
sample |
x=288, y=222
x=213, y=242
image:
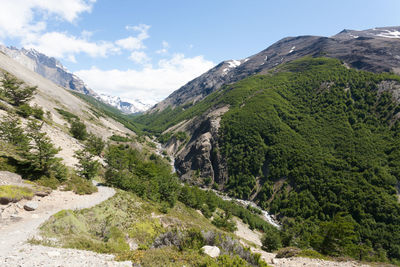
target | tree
x=339, y=235
x=16, y=91
x=78, y=130
x=271, y=240
x=88, y=167
x=42, y=153
x=12, y=132
x=94, y=144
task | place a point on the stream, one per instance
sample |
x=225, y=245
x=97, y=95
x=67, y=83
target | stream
x=265, y=215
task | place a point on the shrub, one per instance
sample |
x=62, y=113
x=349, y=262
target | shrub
x=119, y=138
x=24, y=110
x=271, y=240
x=37, y=112
x=94, y=144
x=288, y=252
x=68, y=116
x=78, y=130
x=79, y=185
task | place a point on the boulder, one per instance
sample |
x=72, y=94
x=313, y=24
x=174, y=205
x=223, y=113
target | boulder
x=7, y=177
x=211, y=251
x=31, y=205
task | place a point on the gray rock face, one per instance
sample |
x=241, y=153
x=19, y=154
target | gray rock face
x=7, y=177
x=211, y=251
x=31, y=205
x=374, y=50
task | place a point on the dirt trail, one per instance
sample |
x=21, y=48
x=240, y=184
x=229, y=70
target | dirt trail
x=13, y=234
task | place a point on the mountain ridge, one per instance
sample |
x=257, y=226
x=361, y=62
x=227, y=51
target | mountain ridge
x=374, y=50
x=52, y=69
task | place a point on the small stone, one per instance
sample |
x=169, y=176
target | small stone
x=31, y=205
x=211, y=251
x=41, y=194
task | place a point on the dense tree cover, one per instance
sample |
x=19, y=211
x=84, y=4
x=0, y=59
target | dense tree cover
x=130, y=170
x=321, y=140
x=329, y=139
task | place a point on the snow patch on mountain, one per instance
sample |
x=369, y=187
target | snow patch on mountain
x=389, y=34
x=133, y=106
x=52, y=69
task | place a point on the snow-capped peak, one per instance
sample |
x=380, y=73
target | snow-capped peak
x=126, y=106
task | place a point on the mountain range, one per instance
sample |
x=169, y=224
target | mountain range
x=374, y=50
x=52, y=69
x=307, y=128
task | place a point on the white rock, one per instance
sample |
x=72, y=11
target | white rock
x=31, y=205
x=211, y=251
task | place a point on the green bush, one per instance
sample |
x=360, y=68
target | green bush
x=37, y=112
x=78, y=130
x=68, y=116
x=25, y=110
x=119, y=138
x=16, y=91
x=271, y=240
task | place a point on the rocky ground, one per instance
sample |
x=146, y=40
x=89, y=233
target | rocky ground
x=18, y=225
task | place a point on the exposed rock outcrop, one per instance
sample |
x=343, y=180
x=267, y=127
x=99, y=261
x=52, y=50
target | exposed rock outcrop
x=200, y=156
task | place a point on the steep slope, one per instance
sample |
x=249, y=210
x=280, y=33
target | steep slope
x=307, y=140
x=52, y=69
x=52, y=97
x=373, y=50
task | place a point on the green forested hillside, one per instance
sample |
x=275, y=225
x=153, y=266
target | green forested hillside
x=331, y=141
x=323, y=145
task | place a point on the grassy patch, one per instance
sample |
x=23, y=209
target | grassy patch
x=68, y=116
x=79, y=185
x=12, y=193
x=310, y=253
x=109, y=226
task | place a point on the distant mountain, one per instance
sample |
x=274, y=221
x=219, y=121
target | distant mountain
x=135, y=106
x=52, y=69
x=373, y=50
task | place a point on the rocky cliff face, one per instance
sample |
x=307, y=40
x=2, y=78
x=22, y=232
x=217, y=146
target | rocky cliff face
x=374, y=50
x=199, y=158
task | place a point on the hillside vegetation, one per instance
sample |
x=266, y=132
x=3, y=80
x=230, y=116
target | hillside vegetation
x=322, y=142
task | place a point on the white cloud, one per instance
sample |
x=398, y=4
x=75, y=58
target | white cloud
x=63, y=45
x=135, y=42
x=139, y=57
x=17, y=17
x=149, y=84
x=164, y=49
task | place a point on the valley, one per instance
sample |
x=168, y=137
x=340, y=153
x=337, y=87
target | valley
x=288, y=157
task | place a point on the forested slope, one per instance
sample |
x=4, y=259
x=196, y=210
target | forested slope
x=317, y=144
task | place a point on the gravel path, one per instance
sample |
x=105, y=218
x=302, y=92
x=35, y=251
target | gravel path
x=13, y=235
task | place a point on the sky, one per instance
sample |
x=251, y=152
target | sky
x=145, y=50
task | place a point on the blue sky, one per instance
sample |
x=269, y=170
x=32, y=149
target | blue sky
x=147, y=49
